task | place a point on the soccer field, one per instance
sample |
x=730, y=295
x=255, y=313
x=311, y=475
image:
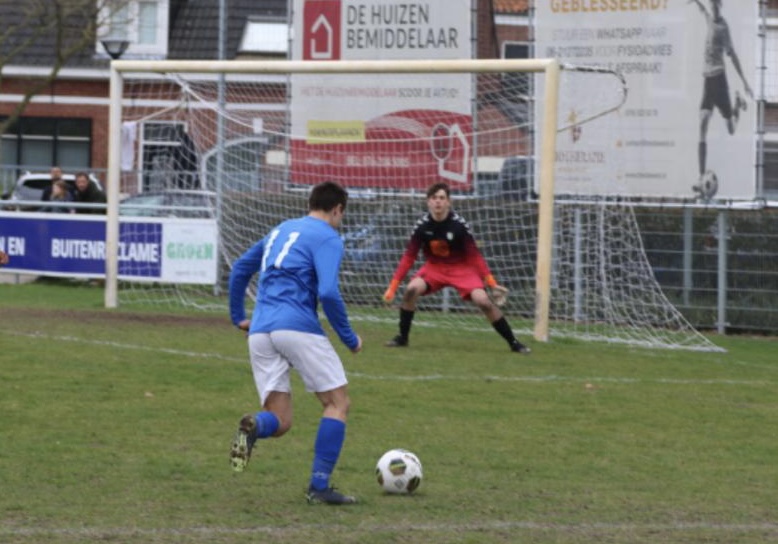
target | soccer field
x=116, y=427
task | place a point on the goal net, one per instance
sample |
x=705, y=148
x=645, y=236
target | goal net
x=257, y=135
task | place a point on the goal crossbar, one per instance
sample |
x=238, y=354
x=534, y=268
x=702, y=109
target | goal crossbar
x=335, y=67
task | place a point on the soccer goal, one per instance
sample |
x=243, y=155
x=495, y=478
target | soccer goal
x=257, y=134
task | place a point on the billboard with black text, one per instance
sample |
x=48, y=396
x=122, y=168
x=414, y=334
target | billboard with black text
x=688, y=127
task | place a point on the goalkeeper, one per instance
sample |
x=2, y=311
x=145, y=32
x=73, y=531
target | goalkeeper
x=452, y=259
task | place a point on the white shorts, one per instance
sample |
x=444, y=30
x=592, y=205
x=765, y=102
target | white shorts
x=274, y=354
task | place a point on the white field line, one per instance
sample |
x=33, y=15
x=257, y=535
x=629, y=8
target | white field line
x=443, y=528
x=120, y=345
x=594, y=380
x=396, y=377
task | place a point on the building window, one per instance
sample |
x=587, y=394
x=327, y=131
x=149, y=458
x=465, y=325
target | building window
x=515, y=100
x=770, y=169
x=770, y=166
x=517, y=83
x=38, y=143
x=119, y=23
x=263, y=37
x=144, y=23
x=147, y=23
x=771, y=60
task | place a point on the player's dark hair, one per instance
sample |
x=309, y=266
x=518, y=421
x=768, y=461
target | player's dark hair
x=435, y=187
x=326, y=195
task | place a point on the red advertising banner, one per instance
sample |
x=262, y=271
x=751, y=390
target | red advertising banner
x=383, y=131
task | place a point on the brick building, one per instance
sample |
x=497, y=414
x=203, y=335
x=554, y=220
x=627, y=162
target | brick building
x=66, y=121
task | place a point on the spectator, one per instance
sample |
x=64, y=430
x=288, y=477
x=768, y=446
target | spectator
x=88, y=192
x=56, y=175
x=3, y=258
x=59, y=193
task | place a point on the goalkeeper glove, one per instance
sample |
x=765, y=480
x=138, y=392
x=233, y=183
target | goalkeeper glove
x=499, y=295
x=390, y=291
x=497, y=292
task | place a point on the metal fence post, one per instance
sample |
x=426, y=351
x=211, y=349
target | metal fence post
x=722, y=273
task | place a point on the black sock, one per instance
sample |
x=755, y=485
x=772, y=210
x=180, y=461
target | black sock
x=502, y=327
x=702, y=152
x=406, y=318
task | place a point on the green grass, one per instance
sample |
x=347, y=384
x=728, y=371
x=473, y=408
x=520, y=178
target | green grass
x=116, y=427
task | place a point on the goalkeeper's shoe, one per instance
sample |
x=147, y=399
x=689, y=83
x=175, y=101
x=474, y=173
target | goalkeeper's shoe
x=518, y=347
x=243, y=443
x=328, y=496
x=397, y=342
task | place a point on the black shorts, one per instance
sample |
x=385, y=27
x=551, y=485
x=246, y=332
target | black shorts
x=716, y=94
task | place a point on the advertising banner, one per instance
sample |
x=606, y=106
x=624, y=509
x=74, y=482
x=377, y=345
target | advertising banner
x=165, y=249
x=385, y=131
x=688, y=127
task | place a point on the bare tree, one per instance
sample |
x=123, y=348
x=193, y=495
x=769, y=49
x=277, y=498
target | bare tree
x=57, y=32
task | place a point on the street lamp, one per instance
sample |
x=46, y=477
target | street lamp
x=115, y=47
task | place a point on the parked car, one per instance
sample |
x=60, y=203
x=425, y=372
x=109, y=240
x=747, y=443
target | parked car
x=29, y=187
x=170, y=203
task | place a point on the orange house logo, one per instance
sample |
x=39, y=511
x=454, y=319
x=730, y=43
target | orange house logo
x=321, y=30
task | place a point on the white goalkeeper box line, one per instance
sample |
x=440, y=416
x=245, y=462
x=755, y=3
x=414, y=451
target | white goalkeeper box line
x=548, y=124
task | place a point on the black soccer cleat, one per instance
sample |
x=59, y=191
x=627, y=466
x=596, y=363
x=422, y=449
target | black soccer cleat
x=397, y=342
x=243, y=443
x=328, y=496
x=518, y=347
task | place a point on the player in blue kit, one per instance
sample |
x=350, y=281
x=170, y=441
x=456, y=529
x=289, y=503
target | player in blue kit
x=298, y=264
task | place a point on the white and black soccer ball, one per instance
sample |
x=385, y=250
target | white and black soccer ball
x=708, y=185
x=399, y=471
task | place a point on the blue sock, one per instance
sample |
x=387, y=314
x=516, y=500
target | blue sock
x=326, y=450
x=267, y=424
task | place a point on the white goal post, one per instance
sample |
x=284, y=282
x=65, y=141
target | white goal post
x=259, y=133
x=546, y=155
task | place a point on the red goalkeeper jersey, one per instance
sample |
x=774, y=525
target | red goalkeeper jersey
x=447, y=242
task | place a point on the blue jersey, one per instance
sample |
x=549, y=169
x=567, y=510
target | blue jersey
x=298, y=264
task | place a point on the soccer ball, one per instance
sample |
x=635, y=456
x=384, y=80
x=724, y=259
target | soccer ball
x=708, y=185
x=399, y=471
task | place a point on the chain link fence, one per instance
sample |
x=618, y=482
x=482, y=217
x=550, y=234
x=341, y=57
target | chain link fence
x=718, y=266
